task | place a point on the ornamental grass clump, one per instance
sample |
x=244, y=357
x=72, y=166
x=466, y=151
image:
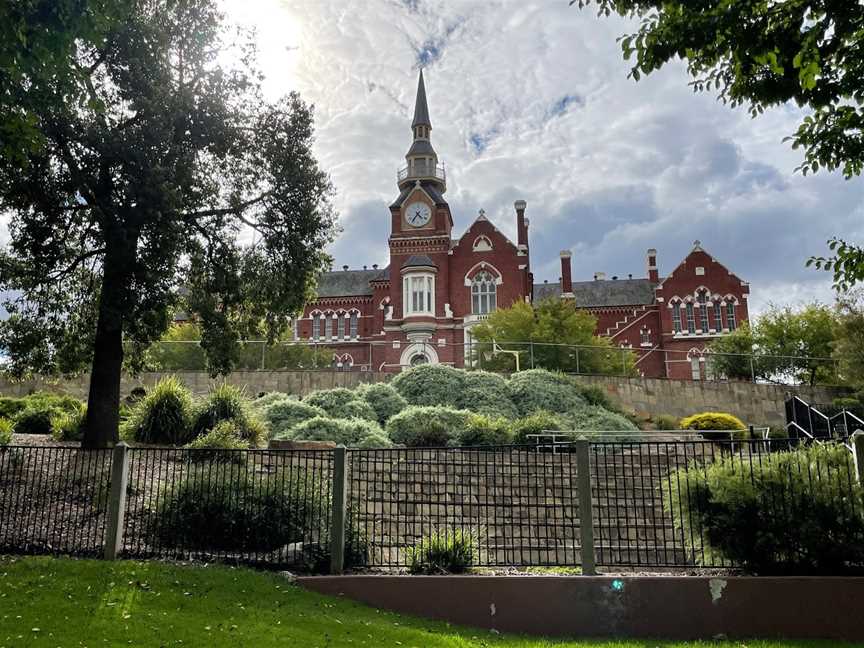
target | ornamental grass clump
x=785, y=513
x=431, y=385
x=538, y=389
x=219, y=445
x=486, y=393
x=483, y=430
x=5, y=432
x=447, y=551
x=69, y=426
x=384, y=399
x=283, y=415
x=162, y=417
x=594, y=418
x=523, y=430
x=426, y=427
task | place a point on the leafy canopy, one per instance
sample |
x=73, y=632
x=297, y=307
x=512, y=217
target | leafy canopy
x=763, y=54
x=138, y=152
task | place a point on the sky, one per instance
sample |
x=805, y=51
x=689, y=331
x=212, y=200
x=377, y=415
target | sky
x=531, y=100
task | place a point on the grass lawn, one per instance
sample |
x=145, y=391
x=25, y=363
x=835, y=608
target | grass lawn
x=63, y=602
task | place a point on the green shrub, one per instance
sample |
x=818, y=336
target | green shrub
x=538, y=389
x=239, y=511
x=486, y=393
x=36, y=418
x=263, y=402
x=375, y=440
x=846, y=401
x=5, y=431
x=283, y=415
x=537, y=423
x=357, y=409
x=482, y=430
x=50, y=399
x=163, y=416
x=384, y=399
x=430, y=385
x=423, y=427
x=596, y=395
x=69, y=426
x=595, y=418
x=224, y=436
x=666, y=422
x=9, y=407
x=448, y=551
x=709, y=421
x=347, y=432
x=799, y=512
x=331, y=401
x=225, y=402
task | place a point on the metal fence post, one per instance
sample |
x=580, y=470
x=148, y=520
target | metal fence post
x=858, y=452
x=586, y=521
x=337, y=521
x=117, y=501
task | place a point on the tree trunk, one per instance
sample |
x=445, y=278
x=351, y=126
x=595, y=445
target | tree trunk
x=103, y=401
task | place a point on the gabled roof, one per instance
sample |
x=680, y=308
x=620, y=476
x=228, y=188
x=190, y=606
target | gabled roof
x=428, y=187
x=347, y=283
x=697, y=247
x=608, y=292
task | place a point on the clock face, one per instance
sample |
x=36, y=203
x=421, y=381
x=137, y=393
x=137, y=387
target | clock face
x=418, y=214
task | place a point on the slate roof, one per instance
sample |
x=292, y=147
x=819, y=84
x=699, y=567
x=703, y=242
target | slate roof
x=608, y=292
x=421, y=147
x=348, y=283
x=421, y=110
x=418, y=260
x=428, y=187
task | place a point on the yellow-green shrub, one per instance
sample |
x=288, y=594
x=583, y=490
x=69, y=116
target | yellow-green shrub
x=706, y=422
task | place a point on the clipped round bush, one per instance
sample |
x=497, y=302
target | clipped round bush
x=357, y=409
x=538, y=389
x=263, y=402
x=331, y=401
x=283, y=415
x=537, y=423
x=384, y=399
x=425, y=427
x=244, y=511
x=486, y=393
x=711, y=425
x=482, y=430
x=430, y=385
x=226, y=402
x=36, y=419
x=443, y=552
x=374, y=440
x=163, y=416
x=5, y=431
x=211, y=447
x=347, y=432
x=597, y=419
x=69, y=426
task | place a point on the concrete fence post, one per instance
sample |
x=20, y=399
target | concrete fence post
x=117, y=501
x=339, y=508
x=586, y=521
x=858, y=452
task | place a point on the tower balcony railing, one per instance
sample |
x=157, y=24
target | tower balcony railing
x=422, y=171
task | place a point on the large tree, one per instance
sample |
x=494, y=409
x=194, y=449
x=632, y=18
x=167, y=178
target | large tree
x=764, y=53
x=137, y=153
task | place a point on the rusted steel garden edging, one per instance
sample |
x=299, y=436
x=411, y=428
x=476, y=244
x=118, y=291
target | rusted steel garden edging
x=670, y=607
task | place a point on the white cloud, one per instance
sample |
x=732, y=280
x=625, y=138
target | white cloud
x=531, y=100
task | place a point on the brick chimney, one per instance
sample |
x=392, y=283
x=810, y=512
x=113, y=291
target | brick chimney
x=566, y=277
x=521, y=226
x=653, y=274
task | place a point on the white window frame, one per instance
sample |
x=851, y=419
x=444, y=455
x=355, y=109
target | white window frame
x=676, y=318
x=425, y=281
x=691, y=318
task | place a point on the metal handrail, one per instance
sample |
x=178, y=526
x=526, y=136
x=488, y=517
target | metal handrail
x=438, y=172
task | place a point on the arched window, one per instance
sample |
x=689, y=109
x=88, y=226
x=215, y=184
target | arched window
x=718, y=315
x=676, y=317
x=355, y=316
x=316, y=325
x=484, y=295
x=730, y=315
x=703, y=310
x=328, y=325
x=340, y=324
x=691, y=318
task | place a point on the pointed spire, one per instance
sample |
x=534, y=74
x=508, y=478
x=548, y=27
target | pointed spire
x=421, y=110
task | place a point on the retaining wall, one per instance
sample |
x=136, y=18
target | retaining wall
x=755, y=404
x=678, y=608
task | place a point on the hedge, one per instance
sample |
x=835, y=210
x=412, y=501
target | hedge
x=347, y=432
x=538, y=389
x=384, y=399
x=283, y=415
x=486, y=393
x=429, y=426
x=431, y=385
x=795, y=512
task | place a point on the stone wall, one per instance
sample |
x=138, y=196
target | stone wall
x=755, y=404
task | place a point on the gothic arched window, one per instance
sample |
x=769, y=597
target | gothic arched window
x=703, y=310
x=484, y=294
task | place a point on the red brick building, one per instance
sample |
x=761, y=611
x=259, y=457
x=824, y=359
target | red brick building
x=421, y=307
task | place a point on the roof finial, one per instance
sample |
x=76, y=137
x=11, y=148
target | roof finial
x=421, y=109
x=482, y=214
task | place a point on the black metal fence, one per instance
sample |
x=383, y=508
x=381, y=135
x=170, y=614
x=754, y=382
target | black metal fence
x=274, y=508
